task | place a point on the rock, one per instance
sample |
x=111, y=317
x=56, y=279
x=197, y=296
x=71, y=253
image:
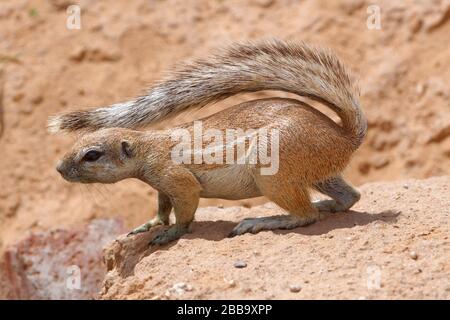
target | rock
x=231, y=283
x=413, y=255
x=421, y=88
x=240, y=264
x=58, y=264
x=295, y=288
x=179, y=288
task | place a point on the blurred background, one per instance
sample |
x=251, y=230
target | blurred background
x=122, y=47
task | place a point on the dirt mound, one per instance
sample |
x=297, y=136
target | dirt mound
x=392, y=244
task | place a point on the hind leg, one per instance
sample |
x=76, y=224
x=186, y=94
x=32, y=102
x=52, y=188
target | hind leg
x=343, y=195
x=294, y=199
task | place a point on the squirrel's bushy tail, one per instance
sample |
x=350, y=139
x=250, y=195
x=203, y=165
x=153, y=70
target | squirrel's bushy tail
x=272, y=65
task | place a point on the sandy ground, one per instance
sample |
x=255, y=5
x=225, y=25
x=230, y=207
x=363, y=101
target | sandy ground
x=393, y=244
x=124, y=46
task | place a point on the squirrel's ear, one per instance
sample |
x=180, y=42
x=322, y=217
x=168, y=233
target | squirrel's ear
x=127, y=150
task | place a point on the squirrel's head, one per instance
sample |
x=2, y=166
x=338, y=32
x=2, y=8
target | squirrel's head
x=104, y=156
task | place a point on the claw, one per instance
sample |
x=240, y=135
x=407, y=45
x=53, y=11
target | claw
x=232, y=234
x=146, y=226
x=143, y=228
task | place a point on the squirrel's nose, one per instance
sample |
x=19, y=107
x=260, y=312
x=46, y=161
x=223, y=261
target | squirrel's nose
x=60, y=166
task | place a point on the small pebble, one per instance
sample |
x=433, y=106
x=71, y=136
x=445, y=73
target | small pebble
x=230, y=282
x=405, y=186
x=240, y=264
x=413, y=255
x=295, y=288
x=179, y=288
x=180, y=285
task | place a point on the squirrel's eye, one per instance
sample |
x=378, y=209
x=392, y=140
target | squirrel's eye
x=92, y=155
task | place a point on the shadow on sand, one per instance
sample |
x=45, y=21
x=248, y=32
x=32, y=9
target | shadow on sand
x=135, y=248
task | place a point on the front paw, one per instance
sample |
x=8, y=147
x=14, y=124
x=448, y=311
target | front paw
x=146, y=226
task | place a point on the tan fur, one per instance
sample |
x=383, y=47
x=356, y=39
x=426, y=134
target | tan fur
x=313, y=150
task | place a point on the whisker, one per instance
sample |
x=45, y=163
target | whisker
x=99, y=190
x=91, y=194
x=106, y=197
x=83, y=192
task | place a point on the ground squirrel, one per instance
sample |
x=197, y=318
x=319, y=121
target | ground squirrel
x=311, y=150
